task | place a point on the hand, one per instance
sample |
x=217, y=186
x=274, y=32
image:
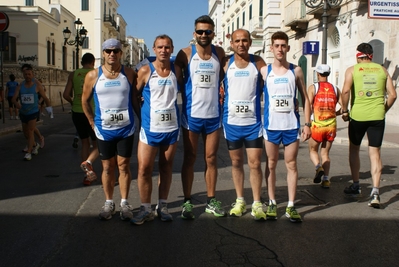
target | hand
x=345, y=116
x=306, y=133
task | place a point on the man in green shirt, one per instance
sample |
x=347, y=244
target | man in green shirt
x=368, y=84
x=73, y=94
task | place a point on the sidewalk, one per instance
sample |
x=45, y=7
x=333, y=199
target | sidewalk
x=391, y=136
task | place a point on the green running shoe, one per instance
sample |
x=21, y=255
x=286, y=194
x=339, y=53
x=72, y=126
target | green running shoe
x=271, y=213
x=257, y=211
x=291, y=213
x=215, y=207
x=239, y=207
x=187, y=211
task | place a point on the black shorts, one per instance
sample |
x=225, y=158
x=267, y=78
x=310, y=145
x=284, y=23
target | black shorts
x=10, y=104
x=82, y=126
x=28, y=118
x=121, y=147
x=233, y=145
x=374, y=130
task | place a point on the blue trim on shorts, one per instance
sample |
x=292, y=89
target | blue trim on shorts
x=285, y=137
x=198, y=125
x=159, y=139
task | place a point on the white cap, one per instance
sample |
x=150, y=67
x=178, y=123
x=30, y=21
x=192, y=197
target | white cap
x=323, y=69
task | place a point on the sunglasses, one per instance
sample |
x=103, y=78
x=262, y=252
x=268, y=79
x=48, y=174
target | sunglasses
x=201, y=32
x=108, y=51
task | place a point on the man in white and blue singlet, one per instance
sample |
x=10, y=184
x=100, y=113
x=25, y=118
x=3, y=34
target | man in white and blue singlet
x=159, y=129
x=200, y=110
x=112, y=86
x=281, y=121
x=242, y=120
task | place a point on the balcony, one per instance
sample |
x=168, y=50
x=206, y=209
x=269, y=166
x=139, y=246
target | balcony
x=318, y=11
x=295, y=15
x=256, y=27
x=110, y=23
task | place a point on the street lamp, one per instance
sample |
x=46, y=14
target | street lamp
x=81, y=33
x=326, y=4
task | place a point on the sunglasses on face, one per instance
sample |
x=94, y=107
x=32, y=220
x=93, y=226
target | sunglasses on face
x=108, y=51
x=201, y=32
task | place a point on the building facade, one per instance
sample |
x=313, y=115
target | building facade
x=347, y=25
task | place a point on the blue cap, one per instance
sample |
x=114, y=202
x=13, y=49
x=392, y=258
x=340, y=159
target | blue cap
x=112, y=43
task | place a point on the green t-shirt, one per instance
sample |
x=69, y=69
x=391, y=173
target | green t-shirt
x=368, y=92
x=78, y=81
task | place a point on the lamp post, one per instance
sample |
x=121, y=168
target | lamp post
x=326, y=5
x=81, y=33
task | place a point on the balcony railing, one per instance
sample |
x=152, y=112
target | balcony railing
x=256, y=24
x=295, y=15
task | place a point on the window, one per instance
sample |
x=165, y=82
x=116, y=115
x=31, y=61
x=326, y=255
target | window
x=85, y=44
x=243, y=18
x=53, y=54
x=238, y=22
x=232, y=27
x=250, y=12
x=261, y=8
x=85, y=5
x=28, y=2
x=64, y=58
x=48, y=53
x=10, y=55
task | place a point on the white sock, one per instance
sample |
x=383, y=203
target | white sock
x=325, y=177
x=290, y=204
x=318, y=166
x=375, y=191
x=256, y=201
x=241, y=199
x=109, y=200
x=147, y=206
x=272, y=201
x=123, y=200
x=161, y=201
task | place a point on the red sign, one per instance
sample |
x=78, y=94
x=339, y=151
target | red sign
x=4, y=21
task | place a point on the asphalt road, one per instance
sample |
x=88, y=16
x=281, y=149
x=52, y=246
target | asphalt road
x=47, y=218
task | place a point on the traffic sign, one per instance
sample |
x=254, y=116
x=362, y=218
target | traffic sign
x=4, y=21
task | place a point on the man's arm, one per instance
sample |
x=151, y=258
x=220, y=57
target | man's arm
x=68, y=91
x=40, y=90
x=132, y=76
x=300, y=83
x=87, y=94
x=391, y=92
x=181, y=63
x=346, y=90
x=15, y=96
x=311, y=95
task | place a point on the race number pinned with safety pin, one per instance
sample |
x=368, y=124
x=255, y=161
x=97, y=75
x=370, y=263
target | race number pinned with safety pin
x=115, y=117
x=242, y=108
x=165, y=117
x=205, y=78
x=282, y=103
x=27, y=99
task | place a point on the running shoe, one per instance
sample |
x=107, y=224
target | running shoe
x=125, y=211
x=292, y=214
x=187, y=210
x=75, y=142
x=352, y=191
x=374, y=201
x=271, y=213
x=238, y=208
x=325, y=184
x=319, y=174
x=28, y=156
x=90, y=174
x=35, y=149
x=162, y=213
x=257, y=211
x=42, y=142
x=142, y=216
x=107, y=211
x=215, y=208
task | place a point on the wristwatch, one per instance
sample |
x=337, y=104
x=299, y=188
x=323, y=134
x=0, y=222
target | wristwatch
x=308, y=124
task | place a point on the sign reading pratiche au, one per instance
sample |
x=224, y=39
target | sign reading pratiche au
x=383, y=9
